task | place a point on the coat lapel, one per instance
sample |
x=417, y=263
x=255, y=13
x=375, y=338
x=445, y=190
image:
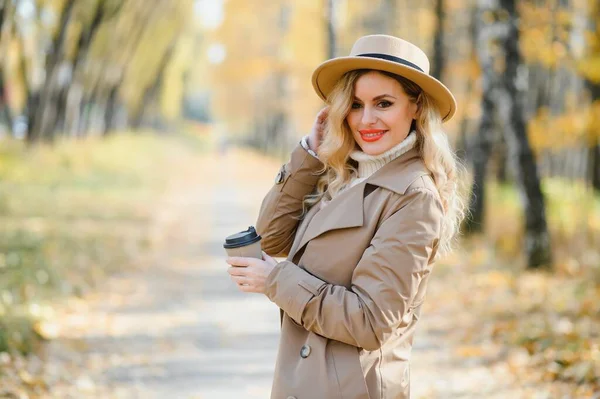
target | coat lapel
x=346, y=209
x=302, y=230
x=400, y=173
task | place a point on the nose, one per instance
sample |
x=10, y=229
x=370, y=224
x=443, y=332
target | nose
x=368, y=117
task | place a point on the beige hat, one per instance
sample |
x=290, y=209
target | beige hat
x=390, y=54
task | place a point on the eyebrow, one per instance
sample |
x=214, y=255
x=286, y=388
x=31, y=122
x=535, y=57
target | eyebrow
x=379, y=97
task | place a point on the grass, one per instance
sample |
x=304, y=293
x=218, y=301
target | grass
x=573, y=216
x=72, y=213
x=550, y=319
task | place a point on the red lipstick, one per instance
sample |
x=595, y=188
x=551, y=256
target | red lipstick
x=370, y=135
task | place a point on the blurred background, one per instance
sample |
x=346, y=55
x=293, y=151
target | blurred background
x=136, y=134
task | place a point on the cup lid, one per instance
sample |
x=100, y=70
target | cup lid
x=242, y=238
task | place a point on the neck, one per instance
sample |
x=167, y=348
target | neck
x=369, y=164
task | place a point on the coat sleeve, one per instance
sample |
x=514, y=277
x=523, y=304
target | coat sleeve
x=384, y=282
x=279, y=211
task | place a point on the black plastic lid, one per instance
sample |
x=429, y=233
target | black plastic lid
x=242, y=238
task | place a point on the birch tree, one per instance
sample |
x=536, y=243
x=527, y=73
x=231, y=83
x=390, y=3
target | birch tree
x=503, y=96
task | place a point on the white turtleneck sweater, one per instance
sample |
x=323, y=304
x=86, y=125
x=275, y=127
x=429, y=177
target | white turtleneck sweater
x=369, y=164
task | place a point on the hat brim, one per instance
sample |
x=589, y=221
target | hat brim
x=329, y=72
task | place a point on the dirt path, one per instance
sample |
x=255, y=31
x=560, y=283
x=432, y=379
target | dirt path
x=178, y=329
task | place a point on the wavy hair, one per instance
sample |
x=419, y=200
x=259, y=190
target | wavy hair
x=432, y=144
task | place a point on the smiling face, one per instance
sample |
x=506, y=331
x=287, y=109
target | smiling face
x=381, y=113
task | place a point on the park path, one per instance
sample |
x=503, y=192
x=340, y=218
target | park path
x=177, y=328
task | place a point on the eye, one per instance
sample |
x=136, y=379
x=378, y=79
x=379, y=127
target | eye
x=385, y=104
x=356, y=105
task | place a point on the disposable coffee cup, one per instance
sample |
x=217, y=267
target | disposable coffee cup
x=245, y=243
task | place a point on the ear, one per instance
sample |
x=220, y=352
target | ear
x=417, y=106
x=414, y=109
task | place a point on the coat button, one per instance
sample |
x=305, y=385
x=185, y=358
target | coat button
x=280, y=176
x=305, y=351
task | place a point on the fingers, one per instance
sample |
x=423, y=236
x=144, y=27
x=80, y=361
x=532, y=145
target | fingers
x=248, y=273
x=268, y=259
x=240, y=280
x=237, y=271
x=322, y=115
x=238, y=261
x=243, y=283
x=239, y=275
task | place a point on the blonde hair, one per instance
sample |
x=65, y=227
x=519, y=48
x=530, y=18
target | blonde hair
x=432, y=144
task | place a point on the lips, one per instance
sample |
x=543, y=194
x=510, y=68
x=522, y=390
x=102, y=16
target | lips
x=370, y=135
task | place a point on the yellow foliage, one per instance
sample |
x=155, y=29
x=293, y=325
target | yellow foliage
x=532, y=43
x=563, y=17
x=270, y=60
x=16, y=86
x=547, y=131
x=268, y=64
x=173, y=80
x=469, y=351
x=590, y=68
x=533, y=15
x=594, y=122
x=149, y=55
x=494, y=279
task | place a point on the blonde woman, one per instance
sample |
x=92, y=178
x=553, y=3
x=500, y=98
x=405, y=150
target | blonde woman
x=366, y=204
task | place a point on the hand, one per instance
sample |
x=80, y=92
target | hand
x=250, y=274
x=316, y=134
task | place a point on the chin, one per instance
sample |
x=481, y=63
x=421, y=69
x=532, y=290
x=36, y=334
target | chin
x=375, y=148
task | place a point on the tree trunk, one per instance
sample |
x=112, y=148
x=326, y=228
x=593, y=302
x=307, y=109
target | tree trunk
x=594, y=138
x=88, y=103
x=6, y=17
x=4, y=107
x=480, y=154
x=151, y=93
x=67, y=92
x=501, y=161
x=103, y=87
x=595, y=165
x=43, y=122
x=438, y=41
x=111, y=111
x=73, y=109
x=481, y=150
x=32, y=96
x=537, y=240
x=462, y=147
x=3, y=7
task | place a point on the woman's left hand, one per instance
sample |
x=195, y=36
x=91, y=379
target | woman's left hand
x=250, y=274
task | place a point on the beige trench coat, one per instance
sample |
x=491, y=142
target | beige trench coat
x=351, y=289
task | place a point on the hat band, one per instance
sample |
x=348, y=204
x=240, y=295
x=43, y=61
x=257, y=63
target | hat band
x=393, y=59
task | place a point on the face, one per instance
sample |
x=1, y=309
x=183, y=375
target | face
x=381, y=114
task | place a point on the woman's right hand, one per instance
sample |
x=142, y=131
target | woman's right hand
x=316, y=134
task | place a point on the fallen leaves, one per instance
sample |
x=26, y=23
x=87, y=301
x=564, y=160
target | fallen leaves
x=47, y=329
x=92, y=212
x=470, y=351
x=548, y=324
x=20, y=377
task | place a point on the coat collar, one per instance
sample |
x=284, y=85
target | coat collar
x=399, y=173
x=346, y=209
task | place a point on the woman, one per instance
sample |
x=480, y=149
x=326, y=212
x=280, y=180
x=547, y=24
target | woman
x=365, y=205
